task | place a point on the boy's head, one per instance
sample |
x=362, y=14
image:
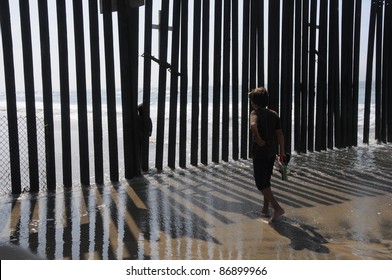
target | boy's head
x=259, y=96
x=140, y=109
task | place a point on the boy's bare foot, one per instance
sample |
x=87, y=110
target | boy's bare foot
x=277, y=214
x=265, y=212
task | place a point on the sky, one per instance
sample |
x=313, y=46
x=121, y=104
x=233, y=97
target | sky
x=15, y=21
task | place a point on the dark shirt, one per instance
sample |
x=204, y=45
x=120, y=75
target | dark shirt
x=141, y=126
x=268, y=122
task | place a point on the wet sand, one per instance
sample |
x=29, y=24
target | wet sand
x=338, y=206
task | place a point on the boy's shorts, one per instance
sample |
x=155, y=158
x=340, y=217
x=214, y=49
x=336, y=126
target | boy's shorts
x=262, y=171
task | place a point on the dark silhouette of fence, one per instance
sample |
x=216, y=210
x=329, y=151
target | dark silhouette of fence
x=312, y=71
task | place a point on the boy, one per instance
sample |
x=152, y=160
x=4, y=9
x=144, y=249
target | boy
x=267, y=135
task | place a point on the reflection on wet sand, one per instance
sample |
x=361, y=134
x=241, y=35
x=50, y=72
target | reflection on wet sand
x=338, y=206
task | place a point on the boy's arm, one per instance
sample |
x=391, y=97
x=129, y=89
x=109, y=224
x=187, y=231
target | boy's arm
x=280, y=137
x=253, y=127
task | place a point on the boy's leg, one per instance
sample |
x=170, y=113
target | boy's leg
x=278, y=210
x=265, y=209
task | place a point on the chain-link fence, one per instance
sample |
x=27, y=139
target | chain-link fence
x=5, y=160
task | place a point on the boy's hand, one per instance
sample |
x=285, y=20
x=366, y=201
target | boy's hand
x=282, y=159
x=260, y=141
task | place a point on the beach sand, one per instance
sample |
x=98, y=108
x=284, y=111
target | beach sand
x=338, y=206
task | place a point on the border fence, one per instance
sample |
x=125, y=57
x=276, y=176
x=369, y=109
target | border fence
x=5, y=173
x=312, y=73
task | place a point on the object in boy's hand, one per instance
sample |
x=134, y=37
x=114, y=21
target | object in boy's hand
x=282, y=166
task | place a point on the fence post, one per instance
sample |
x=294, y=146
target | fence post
x=273, y=54
x=321, y=109
x=379, y=38
x=183, y=82
x=163, y=42
x=297, y=75
x=9, y=72
x=356, y=58
x=64, y=93
x=305, y=73
x=216, y=81
x=388, y=65
x=110, y=90
x=245, y=131
x=195, y=84
x=235, y=81
x=174, y=85
x=205, y=81
x=147, y=80
x=30, y=95
x=312, y=73
x=226, y=80
x=47, y=95
x=287, y=71
x=333, y=76
x=96, y=91
x=81, y=93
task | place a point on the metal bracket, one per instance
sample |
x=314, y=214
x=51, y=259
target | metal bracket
x=164, y=64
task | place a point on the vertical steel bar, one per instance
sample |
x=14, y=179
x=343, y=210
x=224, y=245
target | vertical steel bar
x=388, y=63
x=385, y=72
x=29, y=94
x=110, y=91
x=226, y=80
x=379, y=38
x=163, y=34
x=128, y=37
x=253, y=45
x=47, y=95
x=260, y=43
x=235, y=82
x=287, y=71
x=147, y=82
x=195, y=84
x=64, y=94
x=183, y=82
x=245, y=131
x=9, y=73
x=333, y=78
x=205, y=82
x=126, y=92
x=273, y=54
x=321, y=109
x=305, y=72
x=133, y=39
x=297, y=75
x=369, y=71
x=252, y=59
x=174, y=85
x=81, y=93
x=312, y=73
x=347, y=62
x=356, y=58
x=96, y=91
x=217, y=81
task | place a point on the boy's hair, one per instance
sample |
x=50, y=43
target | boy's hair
x=140, y=109
x=259, y=96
